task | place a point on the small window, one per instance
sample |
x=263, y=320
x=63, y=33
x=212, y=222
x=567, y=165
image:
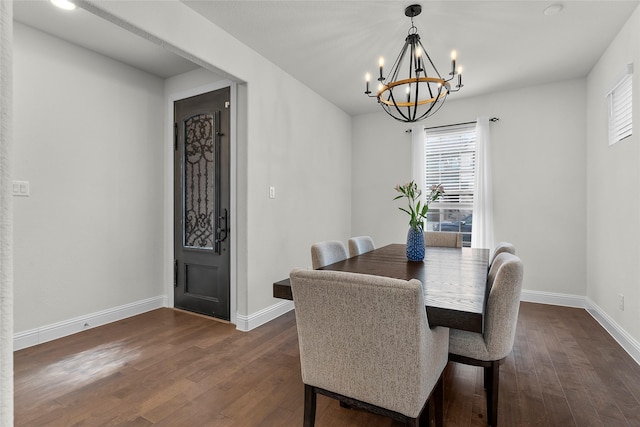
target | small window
x=620, y=104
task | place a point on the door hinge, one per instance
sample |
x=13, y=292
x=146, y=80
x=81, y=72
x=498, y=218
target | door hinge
x=175, y=136
x=175, y=273
x=226, y=104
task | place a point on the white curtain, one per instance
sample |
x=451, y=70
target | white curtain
x=417, y=159
x=6, y=216
x=482, y=229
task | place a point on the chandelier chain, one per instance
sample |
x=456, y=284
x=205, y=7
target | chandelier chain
x=413, y=29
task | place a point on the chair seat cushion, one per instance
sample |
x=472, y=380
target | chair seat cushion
x=468, y=344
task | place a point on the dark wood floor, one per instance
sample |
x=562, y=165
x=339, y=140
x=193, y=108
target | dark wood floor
x=169, y=368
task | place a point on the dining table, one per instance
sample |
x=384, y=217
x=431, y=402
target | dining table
x=454, y=280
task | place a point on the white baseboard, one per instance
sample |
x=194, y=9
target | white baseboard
x=627, y=342
x=551, y=298
x=247, y=323
x=57, y=330
x=54, y=331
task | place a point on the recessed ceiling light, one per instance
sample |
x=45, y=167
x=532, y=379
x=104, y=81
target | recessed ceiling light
x=63, y=4
x=554, y=9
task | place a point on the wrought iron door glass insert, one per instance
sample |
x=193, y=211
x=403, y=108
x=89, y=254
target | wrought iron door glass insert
x=199, y=178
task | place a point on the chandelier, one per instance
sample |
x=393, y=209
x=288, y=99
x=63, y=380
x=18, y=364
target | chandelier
x=422, y=90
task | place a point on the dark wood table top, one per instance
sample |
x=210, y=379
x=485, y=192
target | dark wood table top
x=454, y=280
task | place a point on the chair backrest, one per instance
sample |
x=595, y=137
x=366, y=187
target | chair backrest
x=503, y=304
x=502, y=247
x=325, y=253
x=493, y=270
x=360, y=245
x=443, y=239
x=367, y=337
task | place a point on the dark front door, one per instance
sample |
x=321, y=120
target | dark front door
x=201, y=198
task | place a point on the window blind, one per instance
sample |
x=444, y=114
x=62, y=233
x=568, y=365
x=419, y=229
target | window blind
x=621, y=107
x=450, y=160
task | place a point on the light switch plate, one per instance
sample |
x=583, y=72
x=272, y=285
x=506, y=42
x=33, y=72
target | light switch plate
x=21, y=188
x=272, y=192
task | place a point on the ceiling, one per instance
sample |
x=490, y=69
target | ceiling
x=330, y=45
x=87, y=30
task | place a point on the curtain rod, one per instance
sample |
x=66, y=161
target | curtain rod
x=492, y=119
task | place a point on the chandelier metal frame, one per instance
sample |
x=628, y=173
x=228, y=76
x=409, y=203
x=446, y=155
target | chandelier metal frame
x=425, y=90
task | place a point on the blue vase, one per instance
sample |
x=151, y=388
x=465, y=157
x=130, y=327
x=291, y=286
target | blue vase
x=415, y=244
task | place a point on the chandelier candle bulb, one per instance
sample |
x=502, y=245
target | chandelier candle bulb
x=459, y=76
x=381, y=64
x=454, y=55
x=367, y=79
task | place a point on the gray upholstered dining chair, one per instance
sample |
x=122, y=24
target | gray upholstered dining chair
x=488, y=350
x=365, y=340
x=325, y=253
x=360, y=245
x=443, y=239
x=502, y=247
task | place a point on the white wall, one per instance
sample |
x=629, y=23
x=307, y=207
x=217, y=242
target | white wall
x=613, y=179
x=538, y=157
x=299, y=143
x=188, y=81
x=291, y=138
x=89, y=139
x=92, y=236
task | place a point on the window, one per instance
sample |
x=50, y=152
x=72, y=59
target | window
x=619, y=100
x=450, y=160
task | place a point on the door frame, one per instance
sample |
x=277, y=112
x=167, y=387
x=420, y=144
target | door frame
x=169, y=190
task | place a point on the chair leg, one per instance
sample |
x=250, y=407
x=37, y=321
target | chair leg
x=424, y=419
x=492, y=374
x=486, y=377
x=309, y=406
x=438, y=401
